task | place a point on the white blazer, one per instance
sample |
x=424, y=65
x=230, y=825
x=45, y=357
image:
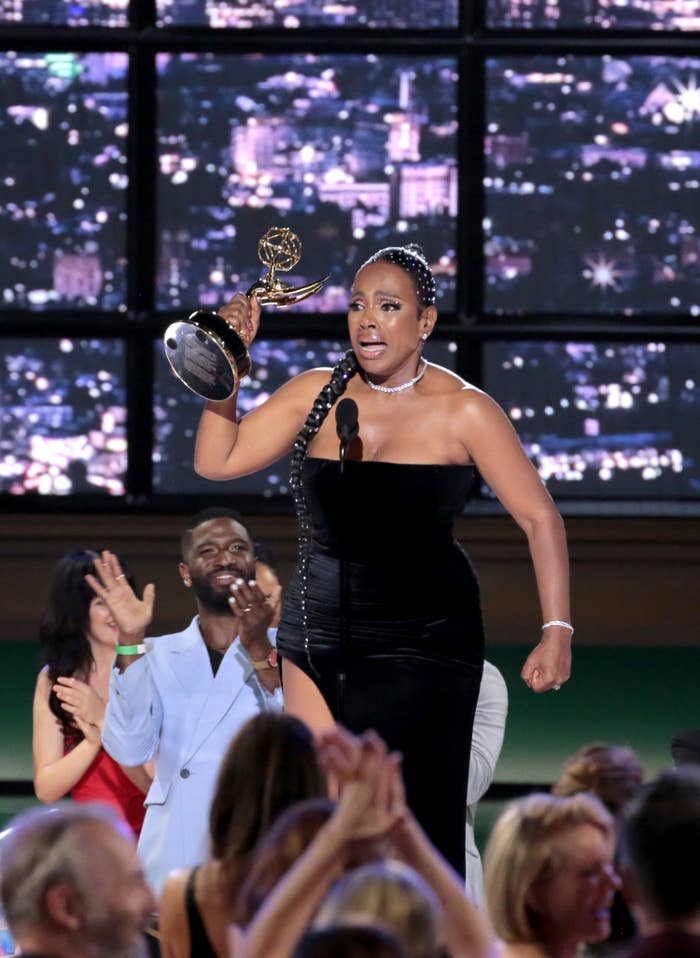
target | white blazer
x=168, y=706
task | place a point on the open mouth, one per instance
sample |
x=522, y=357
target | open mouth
x=371, y=347
x=224, y=578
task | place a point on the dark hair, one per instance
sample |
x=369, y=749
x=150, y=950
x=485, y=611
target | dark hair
x=206, y=515
x=612, y=773
x=685, y=747
x=660, y=843
x=412, y=260
x=288, y=838
x=263, y=553
x=342, y=373
x=269, y=765
x=349, y=941
x=64, y=624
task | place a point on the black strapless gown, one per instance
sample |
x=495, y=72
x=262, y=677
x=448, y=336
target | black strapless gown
x=412, y=650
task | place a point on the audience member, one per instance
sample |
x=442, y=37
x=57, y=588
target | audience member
x=182, y=701
x=660, y=845
x=268, y=578
x=270, y=765
x=350, y=940
x=371, y=807
x=73, y=886
x=685, y=747
x=612, y=773
x=279, y=849
x=392, y=893
x=79, y=635
x=549, y=875
x=487, y=740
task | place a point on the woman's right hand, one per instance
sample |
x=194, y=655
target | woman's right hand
x=371, y=802
x=243, y=314
x=131, y=614
x=81, y=702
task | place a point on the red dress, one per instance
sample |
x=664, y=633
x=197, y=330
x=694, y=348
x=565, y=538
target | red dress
x=104, y=781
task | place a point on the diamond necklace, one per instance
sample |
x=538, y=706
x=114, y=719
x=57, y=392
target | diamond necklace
x=399, y=389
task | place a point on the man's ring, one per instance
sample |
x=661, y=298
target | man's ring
x=555, y=688
x=247, y=609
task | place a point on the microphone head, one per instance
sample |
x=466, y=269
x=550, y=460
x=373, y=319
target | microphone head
x=346, y=419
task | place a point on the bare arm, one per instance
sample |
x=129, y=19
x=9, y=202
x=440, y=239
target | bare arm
x=501, y=460
x=227, y=448
x=55, y=774
x=172, y=921
x=467, y=930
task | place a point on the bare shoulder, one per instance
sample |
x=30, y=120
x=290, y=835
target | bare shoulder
x=174, y=887
x=43, y=682
x=462, y=394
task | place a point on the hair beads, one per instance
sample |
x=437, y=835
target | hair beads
x=411, y=260
x=324, y=402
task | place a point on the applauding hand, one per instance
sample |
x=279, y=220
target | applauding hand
x=132, y=615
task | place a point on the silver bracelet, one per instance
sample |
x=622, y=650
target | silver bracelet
x=564, y=625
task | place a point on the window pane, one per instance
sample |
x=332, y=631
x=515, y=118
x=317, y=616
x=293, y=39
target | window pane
x=70, y=13
x=593, y=185
x=63, y=180
x=603, y=420
x=63, y=417
x=352, y=152
x=594, y=14
x=396, y=14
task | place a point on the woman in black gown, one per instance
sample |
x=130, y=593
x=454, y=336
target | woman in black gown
x=381, y=625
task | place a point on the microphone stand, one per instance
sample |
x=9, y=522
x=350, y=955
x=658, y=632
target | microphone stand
x=347, y=428
x=344, y=596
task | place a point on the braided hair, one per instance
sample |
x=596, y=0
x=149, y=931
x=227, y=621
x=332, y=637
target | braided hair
x=342, y=373
x=412, y=260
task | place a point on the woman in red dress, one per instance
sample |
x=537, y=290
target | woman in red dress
x=79, y=635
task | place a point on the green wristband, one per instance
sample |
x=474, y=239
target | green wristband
x=130, y=649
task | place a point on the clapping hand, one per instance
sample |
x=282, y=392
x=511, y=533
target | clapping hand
x=83, y=704
x=131, y=614
x=371, y=802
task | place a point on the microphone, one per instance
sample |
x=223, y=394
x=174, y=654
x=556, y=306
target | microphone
x=346, y=425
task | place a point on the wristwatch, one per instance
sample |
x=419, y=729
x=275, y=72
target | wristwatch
x=269, y=663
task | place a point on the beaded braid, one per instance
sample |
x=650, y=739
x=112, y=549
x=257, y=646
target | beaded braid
x=324, y=402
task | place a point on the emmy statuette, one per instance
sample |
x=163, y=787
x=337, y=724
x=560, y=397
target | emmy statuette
x=205, y=352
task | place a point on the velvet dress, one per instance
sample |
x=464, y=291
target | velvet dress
x=394, y=638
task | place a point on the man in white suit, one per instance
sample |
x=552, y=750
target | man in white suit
x=179, y=699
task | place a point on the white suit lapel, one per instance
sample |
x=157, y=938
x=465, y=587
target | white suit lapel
x=223, y=691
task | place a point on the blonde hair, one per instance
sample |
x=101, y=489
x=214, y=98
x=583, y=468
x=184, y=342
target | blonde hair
x=612, y=773
x=526, y=847
x=393, y=894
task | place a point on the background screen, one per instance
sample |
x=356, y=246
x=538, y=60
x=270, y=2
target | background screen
x=354, y=152
x=63, y=418
x=70, y=13
x=397, y=14
x=593, y=185
x=63, y=180
x=594, y=14
x=604, y=419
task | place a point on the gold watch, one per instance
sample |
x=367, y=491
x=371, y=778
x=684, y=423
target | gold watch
x=269, y=663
